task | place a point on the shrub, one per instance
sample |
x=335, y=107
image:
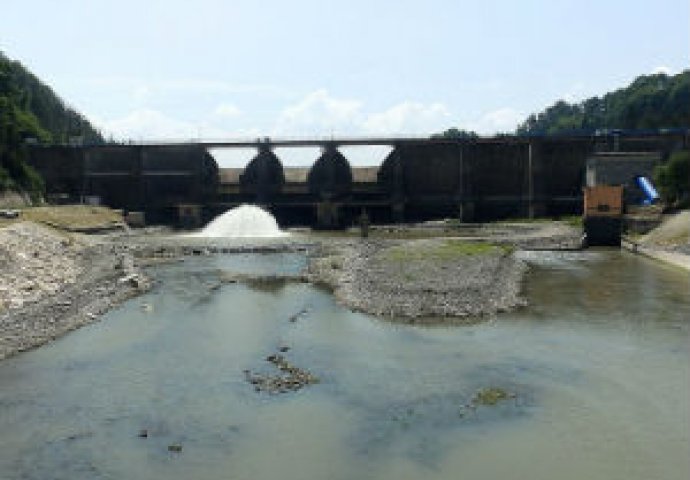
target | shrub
x=673, y=179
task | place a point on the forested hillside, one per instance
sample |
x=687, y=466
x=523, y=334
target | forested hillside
x=650, y=102
x=30, y=110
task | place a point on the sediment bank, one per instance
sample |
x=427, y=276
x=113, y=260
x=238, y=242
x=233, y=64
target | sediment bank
x=52, y=282
x=439, y=281
x=668, y=243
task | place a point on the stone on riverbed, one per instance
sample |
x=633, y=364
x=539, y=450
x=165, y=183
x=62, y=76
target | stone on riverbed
x=292, y=378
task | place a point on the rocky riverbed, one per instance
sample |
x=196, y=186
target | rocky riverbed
x=52, y=282
x=421, y=281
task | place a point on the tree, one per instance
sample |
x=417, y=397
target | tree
x=649, y=102
x=29, y=109
x=673, y=179
x=455, y=134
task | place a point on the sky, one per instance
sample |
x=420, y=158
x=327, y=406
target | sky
x=214, y=69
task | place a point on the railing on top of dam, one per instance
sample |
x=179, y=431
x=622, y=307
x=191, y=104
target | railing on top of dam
x=316, y=141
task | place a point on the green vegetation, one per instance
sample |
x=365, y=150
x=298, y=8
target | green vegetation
x=656, y=101
x=573, y=220
x=456, y=134
x=31, y=112
x=673, y=179
x=489, y=396
x=650, y=102
x=445, y=250
x=38, y=112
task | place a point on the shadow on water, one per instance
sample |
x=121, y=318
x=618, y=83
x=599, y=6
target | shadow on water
x=156, y=389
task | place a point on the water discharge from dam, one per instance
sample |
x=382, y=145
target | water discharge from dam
x=598, y=364
x=245, y=221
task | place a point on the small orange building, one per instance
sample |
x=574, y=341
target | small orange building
x=604, y=200
x=603, y=214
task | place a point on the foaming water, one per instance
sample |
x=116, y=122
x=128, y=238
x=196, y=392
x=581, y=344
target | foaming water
x=245, y=221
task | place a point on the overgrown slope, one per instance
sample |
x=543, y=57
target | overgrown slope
x=30, y=111
x=650, y=102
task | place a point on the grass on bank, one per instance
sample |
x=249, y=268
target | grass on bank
x=69, y=217
x=444, y=250
x=572, y=220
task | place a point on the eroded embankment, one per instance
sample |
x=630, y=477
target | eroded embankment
x=52, y=282
x=421, y=281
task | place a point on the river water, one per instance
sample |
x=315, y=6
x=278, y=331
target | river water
x=598, y=366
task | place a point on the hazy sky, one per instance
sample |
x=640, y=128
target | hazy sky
x=216, y=69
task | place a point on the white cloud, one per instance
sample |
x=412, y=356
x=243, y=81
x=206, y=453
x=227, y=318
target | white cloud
x=316, y=115
x=318, y=112
x=321, y=114
x=408, y=118
x=146, y=123
x=663, y=69
x=501, y=120
x=149, y=124
x=227, y=110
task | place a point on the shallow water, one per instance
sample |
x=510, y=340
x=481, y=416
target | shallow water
x=598, y=364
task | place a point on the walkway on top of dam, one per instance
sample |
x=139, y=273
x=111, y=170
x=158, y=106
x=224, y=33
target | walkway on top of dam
x=286, y=141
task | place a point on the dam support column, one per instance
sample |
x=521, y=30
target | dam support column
x=536, y=198
x=85, y=187
x=139, y=166
x=398, y=196
x=465, y=192
x=327, y=214
x=189, y=215
x=398, y=211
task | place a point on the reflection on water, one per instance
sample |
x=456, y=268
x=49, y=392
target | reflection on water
x=598, y=365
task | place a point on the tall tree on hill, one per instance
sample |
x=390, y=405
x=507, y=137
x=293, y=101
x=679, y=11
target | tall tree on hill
x=30, y=111
x=649, y=102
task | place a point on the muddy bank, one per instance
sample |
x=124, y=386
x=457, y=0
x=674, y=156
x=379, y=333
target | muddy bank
x=52, y=282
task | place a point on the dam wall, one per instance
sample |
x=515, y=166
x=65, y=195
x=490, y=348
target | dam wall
x=420, y=179
x=154, y=180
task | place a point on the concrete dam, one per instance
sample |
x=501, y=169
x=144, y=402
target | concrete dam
x=479, y=179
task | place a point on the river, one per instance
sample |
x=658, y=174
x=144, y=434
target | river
x=597, y=367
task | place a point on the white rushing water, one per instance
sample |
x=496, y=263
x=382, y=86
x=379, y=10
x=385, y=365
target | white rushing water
x=245, y=221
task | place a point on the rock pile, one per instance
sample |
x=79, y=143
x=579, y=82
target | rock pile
x=291, y=378
x=420, y=287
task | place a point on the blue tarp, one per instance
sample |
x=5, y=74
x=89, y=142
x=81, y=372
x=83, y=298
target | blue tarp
x=650, y=193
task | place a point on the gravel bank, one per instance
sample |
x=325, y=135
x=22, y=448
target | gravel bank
x=669, y=242
x=52, y=283
x=421, y=281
